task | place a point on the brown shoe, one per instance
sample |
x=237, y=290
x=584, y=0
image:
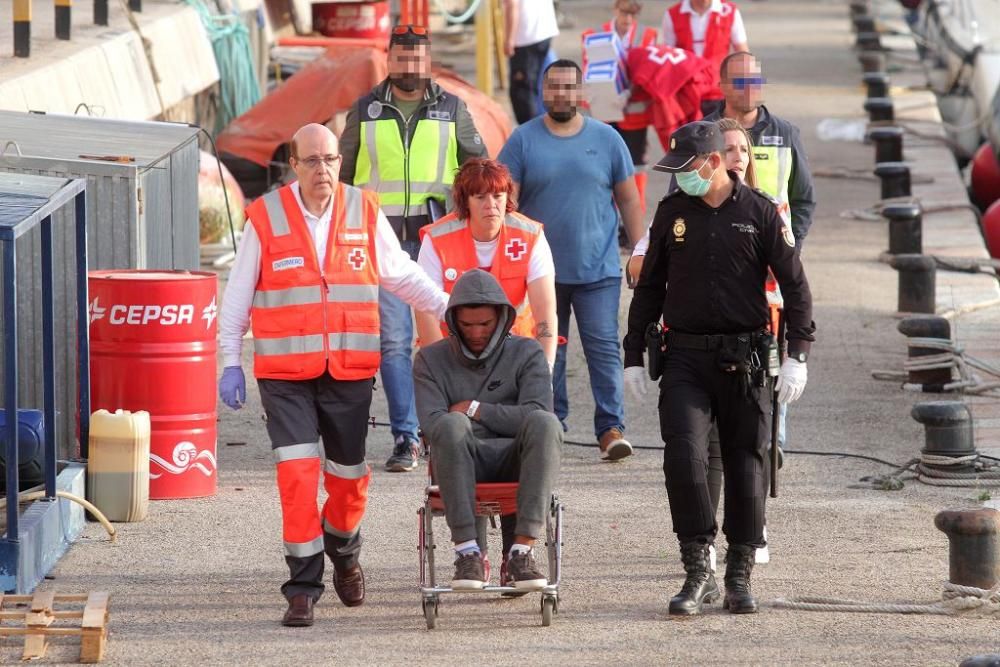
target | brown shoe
x=300, y=611
x=614, y=446
x=350, y=585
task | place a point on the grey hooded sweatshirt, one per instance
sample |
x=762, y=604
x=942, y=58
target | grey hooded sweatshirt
x=510, y=379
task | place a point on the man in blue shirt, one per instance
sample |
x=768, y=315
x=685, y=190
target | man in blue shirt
x=570, y=172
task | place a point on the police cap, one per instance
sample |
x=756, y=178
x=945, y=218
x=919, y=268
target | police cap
x=689, y=141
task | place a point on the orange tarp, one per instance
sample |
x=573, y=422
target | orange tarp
x=331, y=84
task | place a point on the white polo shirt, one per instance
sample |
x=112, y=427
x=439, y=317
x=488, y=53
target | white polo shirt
x=536, y=22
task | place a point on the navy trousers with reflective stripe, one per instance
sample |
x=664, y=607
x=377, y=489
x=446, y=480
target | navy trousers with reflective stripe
x=299, y=414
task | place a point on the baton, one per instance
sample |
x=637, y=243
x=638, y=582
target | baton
x=774, y=408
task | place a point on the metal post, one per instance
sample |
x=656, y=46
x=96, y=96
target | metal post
x=905, y=228
x=10, y=381
x=484, y=48
x=973, y=545
x=83, y=322
x=22, y=28
x=879, y=109
x=936, y=329
x=916, y=293
x=888, y=143
x=876, y=84
x=63, y=11
x=895, y=178
x=135, y=5
x=100, y=12
x=48, y=361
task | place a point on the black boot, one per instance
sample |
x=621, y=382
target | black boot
x=700, y=584
x=739, y=564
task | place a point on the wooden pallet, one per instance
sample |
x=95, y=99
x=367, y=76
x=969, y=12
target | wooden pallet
x=39, y=615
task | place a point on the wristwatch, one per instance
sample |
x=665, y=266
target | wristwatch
x=798, y=356
x=472, y=410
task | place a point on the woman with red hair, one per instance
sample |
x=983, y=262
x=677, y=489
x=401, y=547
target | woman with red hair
x=484, y=232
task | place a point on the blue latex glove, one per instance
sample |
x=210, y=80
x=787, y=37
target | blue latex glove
x=233, y=387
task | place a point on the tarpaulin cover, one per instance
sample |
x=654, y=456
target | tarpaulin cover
x=331, y=84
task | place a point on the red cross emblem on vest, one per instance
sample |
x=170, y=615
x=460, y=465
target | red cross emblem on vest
x=515, y=249
x=357, y=259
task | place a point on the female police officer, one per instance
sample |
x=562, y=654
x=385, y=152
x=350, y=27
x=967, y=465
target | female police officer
x=711, y=243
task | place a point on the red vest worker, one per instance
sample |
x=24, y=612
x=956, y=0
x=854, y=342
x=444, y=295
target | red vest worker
x=306, y=277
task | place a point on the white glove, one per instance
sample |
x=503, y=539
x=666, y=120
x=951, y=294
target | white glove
x=791, y=380
x=637, y=381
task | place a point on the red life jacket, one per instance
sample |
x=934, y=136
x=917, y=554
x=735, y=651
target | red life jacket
x=718, y=39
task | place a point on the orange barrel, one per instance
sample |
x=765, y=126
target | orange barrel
x=363, y=20
x=152, y=348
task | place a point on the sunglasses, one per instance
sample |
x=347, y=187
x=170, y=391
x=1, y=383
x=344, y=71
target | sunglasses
x=415, y=29
x=744, y=82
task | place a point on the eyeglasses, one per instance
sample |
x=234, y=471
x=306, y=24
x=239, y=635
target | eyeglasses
x=743, y=82
x=315, y=161
x=415, y=29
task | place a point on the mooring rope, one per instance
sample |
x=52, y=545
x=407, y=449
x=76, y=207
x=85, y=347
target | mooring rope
x=955, y=600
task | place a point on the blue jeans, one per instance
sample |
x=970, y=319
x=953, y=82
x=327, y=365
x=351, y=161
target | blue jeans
x=397, y=363
x=596, y=308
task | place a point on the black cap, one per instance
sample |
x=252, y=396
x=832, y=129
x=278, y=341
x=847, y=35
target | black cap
x=689, y=141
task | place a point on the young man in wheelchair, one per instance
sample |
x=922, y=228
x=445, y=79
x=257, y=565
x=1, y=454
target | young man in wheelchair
x=484, y=402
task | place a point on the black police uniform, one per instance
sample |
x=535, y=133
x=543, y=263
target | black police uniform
x=704, y=273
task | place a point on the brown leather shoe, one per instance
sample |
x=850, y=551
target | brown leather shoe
x=300, y=611
x=350, y=585
x=614, y=446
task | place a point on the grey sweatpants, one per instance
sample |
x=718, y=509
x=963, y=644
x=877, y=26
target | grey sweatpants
x=460, y=459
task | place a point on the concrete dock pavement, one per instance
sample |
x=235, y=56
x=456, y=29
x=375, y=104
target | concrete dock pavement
x=197, y=583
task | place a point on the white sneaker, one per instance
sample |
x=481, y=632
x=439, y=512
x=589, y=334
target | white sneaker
x=711, y=557
x=762, y=555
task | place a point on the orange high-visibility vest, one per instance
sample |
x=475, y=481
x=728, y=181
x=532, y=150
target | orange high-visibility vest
x=306, y=320
x=718, y=38
x=456, y=249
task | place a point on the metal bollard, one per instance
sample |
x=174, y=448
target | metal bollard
x=926, y=326
x=864, y=23
x=905, y=228
x=916, y=283
x=868, y=41
x=895, y=177
x=860, y=7
x=877, y=84
x=872, y=61
x=973, y=545
x=879, y=109
x=947, y=430
x=888, y=143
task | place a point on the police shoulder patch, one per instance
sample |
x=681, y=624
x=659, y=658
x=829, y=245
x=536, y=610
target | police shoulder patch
x=766, y=196
x=786, y=234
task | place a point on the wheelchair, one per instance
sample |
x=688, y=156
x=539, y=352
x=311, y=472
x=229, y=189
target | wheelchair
x=492, y=500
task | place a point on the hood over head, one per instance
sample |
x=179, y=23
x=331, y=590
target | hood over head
x=479, y=288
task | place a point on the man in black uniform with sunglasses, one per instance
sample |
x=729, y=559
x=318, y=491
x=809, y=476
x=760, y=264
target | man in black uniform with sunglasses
x=711, y=243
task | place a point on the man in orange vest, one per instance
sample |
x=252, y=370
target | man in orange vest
x=637, y=113
x=485, y=233
x=708, y=28
x=306, y=277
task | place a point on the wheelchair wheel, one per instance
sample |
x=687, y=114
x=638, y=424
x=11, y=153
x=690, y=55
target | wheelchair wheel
x=548, y=609
x=430, y=606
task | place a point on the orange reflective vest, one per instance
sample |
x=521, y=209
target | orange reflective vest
x=718, y=38
x=456, y=249
x=306, y=320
